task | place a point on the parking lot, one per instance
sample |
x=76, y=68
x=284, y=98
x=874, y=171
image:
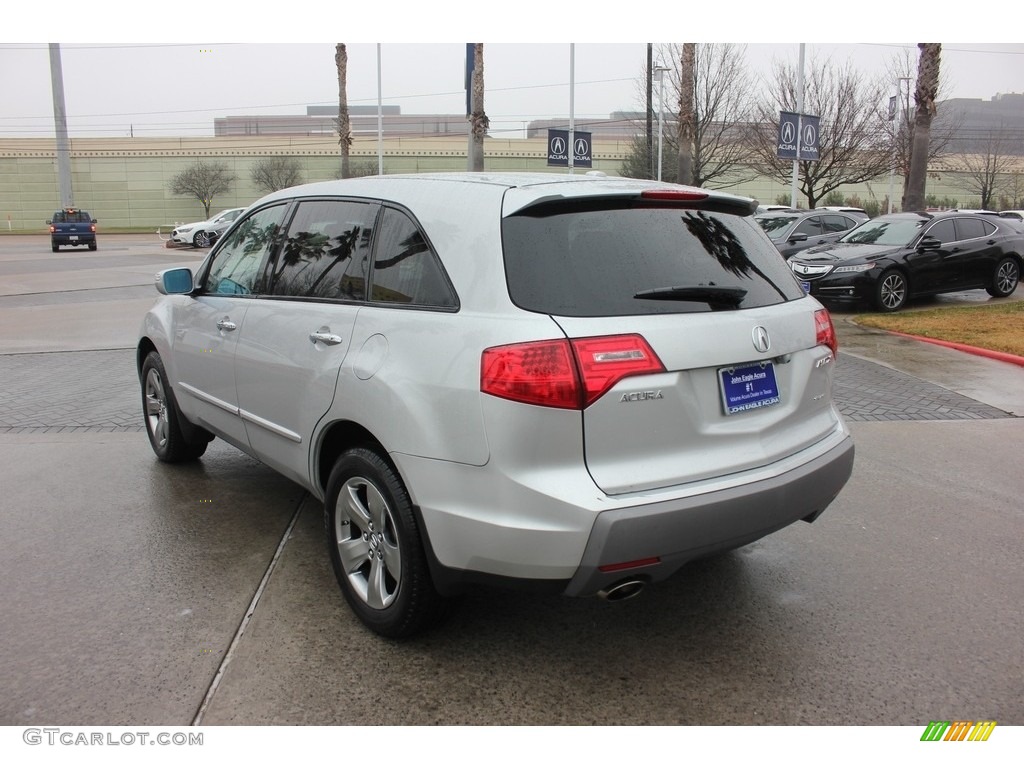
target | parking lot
x=136, y=593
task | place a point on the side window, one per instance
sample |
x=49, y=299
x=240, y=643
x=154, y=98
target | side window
x=809, y=227
x=326, y=253
x=943, y=231
x=970, y=228
x=836, y=223
x=237, y=265
x=405, y=269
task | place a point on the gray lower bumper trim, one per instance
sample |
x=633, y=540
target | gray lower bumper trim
x=703, y=525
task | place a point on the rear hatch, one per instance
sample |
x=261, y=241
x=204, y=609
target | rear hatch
x=721, y=363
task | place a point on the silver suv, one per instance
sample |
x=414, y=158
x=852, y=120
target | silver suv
x=576, y=383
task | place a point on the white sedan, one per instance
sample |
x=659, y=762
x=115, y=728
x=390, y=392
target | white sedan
x=202, y=234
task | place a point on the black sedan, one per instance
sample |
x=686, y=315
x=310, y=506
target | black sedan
x=892, y=258
x=792, y=230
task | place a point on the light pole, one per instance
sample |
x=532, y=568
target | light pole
x=659, y=72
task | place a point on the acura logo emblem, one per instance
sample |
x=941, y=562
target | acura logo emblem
x=558, y=146
x=761, y=341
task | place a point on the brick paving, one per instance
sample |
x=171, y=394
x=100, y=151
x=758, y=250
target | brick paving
x=98, y=391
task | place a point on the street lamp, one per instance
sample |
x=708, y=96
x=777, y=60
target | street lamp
x=659, y=72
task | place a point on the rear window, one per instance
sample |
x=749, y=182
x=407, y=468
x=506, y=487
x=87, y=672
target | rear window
x=72, y=217
x=639, y=261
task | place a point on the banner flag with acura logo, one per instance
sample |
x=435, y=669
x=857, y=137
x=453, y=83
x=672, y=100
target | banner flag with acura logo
x=558, y=148
x=798, y=137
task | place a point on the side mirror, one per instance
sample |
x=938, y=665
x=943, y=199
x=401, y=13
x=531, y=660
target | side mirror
x=798, y=237
x=49, y=221
x=929, y=243
x=95, y=221
x=174, y=281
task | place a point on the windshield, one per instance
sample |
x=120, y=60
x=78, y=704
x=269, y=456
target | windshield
x=884, y=231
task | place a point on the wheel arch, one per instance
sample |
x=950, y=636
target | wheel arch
x=337, y=438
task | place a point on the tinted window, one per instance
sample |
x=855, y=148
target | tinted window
x=811, y=226
x=886, y=231
x=405, y=269
x=326, y=251
x=968, y=228
x=837, y=223
x=775, y=225
x=942, y=231
x=237, y=265
x=593, y=263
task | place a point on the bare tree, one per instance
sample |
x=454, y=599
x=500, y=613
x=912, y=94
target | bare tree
x=203, y=181
x=478, y=118
x=722, y=99
x=852, y=146
x=925, y=94
x=344, y=122
x=988, y=172
x=687, y=129
x=273, y=173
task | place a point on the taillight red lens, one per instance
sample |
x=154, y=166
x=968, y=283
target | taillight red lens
x=825, y=331
x=540, y=372
x=52, y=229
x=606, y=360
x=565, y=373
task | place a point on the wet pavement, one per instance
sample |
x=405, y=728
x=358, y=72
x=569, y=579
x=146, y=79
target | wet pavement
x=137, y=593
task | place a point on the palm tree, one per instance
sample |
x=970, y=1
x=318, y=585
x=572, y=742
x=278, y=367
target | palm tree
x=344, y=123
x=924, y=97
x=478, y=118
x=686, y=116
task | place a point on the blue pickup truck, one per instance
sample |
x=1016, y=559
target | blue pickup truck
x=72, y=226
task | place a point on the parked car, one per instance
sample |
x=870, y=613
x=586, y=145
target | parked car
x=792, y=231
x=203, y=234
x=892, y=258
x=857, y=213
x=572, y=383
x=767, y=208
x=72, y=226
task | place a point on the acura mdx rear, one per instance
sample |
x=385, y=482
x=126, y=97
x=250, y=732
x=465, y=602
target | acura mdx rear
x=582, y=383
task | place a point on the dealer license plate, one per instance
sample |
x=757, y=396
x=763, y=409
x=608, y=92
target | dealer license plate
x=73, y=237
x=745, y=388
x=806, y=286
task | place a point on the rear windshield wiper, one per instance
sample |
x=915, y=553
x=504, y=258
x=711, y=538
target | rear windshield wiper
x=715, y=295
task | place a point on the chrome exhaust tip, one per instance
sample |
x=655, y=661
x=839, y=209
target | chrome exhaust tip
x=624, y=590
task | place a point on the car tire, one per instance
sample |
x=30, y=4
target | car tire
x=54, y=248
x=375, y=547
x=1004, y=278
x=163, y=421
x=200, y=240
x=891, y=291
x=92, y=246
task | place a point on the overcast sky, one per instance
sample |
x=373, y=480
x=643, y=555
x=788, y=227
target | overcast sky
x=136, y=76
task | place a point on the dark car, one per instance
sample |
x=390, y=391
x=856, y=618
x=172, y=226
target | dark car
x=892, y=258
x=793, y=230
x=71, y=226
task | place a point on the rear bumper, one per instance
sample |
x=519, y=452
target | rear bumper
x=481, y=527
x=78, y=239
x=677, y=532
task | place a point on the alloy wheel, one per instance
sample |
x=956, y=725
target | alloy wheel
x=367, y=542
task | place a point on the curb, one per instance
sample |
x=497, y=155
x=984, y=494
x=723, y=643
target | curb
x=1004, y=357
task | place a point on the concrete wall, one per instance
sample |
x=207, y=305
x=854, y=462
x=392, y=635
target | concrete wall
x=124, y=182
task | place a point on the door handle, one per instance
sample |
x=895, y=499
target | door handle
x=324, y=336
x=226, y=325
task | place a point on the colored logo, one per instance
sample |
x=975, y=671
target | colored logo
x=958, y=730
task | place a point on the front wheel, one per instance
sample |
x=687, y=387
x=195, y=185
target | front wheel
x=162, y=418
x=201, y=240
x=375, y=547
x=891, y=291
x=1004, y=278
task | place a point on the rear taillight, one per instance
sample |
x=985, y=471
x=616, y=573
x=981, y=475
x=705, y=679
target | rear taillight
x=92, y=227
x=824, y=331
x=686, y=195
x=52, y=229
x=565, y=373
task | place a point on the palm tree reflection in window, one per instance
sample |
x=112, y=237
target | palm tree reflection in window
x=236, y=269
x=316, y=264
x=721, y=242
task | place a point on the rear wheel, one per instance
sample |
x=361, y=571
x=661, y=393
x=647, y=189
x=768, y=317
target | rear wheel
x=1004, y=278
x=891, y=291
x=163, y=423
x=54, y=248
x=375, y=547
x=92, y=246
